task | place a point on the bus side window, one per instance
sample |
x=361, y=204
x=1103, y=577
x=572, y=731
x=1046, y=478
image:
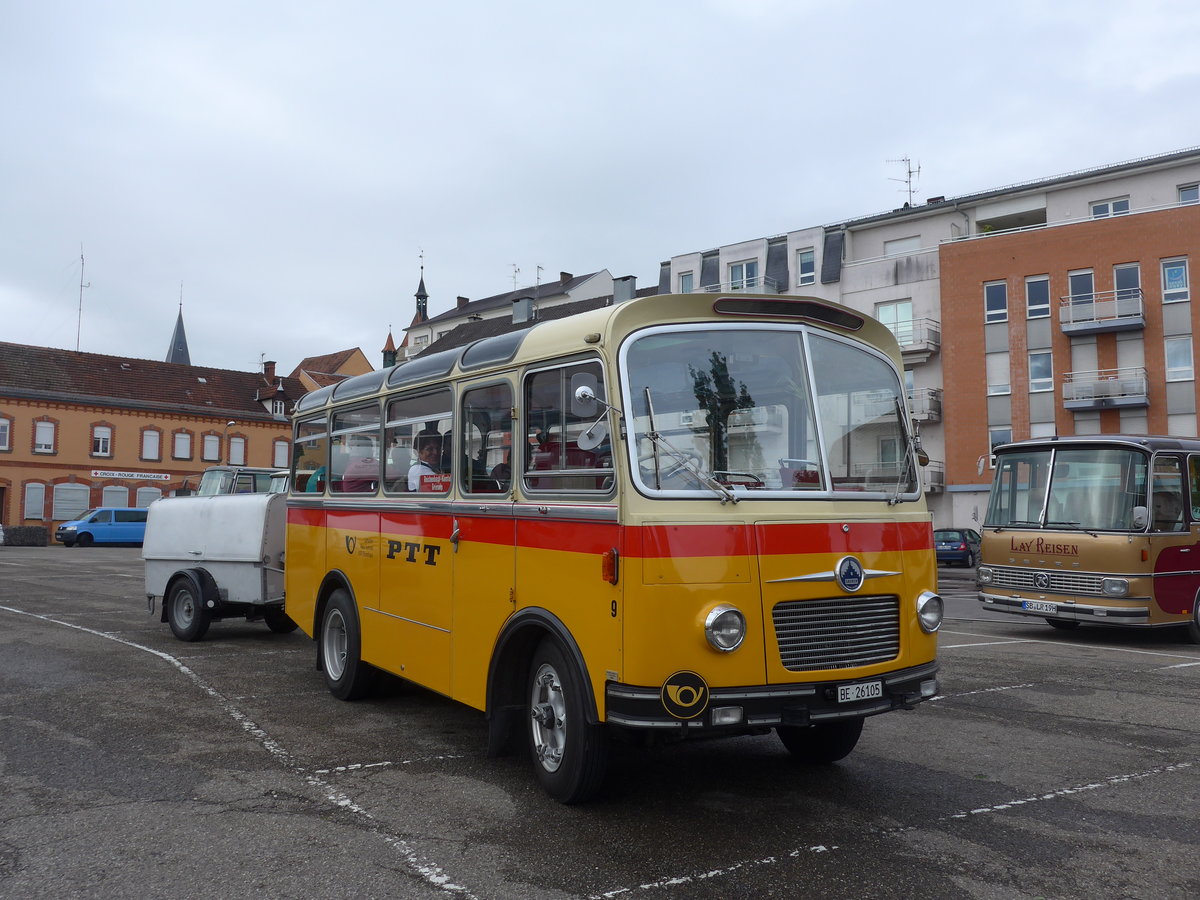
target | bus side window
x=1194, y=480
x=485, y=420
x=416, y=425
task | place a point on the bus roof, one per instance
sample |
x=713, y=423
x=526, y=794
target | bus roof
x=1148, y=442
x=607, y=325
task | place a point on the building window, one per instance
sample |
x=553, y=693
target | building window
x=237, y=451
x=211, y=451
x=1118, y=206
x=35, y=501
x=151, y=445
x=743, y=275
x=280, y=455
x=1037, y=296
x=182, y=445
x=902, y=246
x=421, y=340
x=1041, y=372
x=278, y=408
x=996, y=437
x=898, y=318
x=1081, y=285
x=995, y=301
x=43, y=437
x=1189, y=193
x=1179, y=359
x=998, y=382
x=1127, y=279
x=687, y=282
x=5, y=434
x=101, y=440
x=806, y=266
x=1174, y=280
x=69, y=501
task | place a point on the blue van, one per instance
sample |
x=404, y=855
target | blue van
x=105, y=525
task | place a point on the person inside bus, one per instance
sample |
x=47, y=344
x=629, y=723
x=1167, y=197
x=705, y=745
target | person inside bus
x=429, y=455
x=1168, y=513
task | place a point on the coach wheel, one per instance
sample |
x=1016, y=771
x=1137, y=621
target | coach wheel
x=186, y=614
x=346, y=675
x=84, y=540
x=1193, y=627
x=821, y=744
x=1064, y=624
x=278, y=621
x=569, y=753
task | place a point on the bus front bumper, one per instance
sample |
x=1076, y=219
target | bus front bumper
x=766, y=706
x=1068, y=610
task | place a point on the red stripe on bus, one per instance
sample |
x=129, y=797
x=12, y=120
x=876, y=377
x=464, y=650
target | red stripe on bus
x=774, y=540
x=313, y=517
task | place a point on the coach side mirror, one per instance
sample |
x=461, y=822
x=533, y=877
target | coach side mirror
x=1141, y=518
x=584, y=397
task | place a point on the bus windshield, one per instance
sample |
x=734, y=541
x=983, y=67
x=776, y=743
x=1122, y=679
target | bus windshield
x=747, y=408
x=1089, y=488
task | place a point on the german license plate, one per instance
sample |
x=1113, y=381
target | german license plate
x=849, y=693
x=1039, y=606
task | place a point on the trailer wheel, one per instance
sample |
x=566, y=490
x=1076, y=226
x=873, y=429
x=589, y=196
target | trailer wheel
x=278, y=621
x=821, y=744
x=186, y=613
x=346, y=675
x=569, y=753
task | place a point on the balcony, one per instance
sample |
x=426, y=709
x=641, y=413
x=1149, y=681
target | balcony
x=1106, y=389
x=934, y=477
x=926, y=404
x=919, y=339
x=1103, y=312
x=757, y=284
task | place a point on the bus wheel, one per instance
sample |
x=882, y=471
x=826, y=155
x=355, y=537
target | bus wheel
x=1064, y=624
x=821, y=744
x=186, y=614
x=346, y=675
x=1193, y=627
x=569, y=753
x=277, y=620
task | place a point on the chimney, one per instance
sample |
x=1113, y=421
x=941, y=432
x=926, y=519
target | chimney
x=522, y=310
x=564, y=277
x=624, y=288
x=463, y=301
x=269, y=369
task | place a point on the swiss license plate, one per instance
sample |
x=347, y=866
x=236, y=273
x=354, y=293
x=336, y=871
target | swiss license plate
x=1039, y=606
x=849, y=693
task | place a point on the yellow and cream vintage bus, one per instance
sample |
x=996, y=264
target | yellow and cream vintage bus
x=1097, y=528
x=679, y=516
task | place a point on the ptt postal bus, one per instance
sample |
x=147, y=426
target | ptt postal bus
x=679, y=516
x=1100, y=529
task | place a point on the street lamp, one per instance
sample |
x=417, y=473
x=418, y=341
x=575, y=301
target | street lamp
x=224, y=441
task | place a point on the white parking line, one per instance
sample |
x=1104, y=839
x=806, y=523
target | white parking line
x=1181, y=666
x=991, y=690
x=983, y=644
x=430, y=872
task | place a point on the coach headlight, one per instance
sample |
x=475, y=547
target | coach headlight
x=725, y=628
x=983, y=575
x=929, y=611
x=1115, y=587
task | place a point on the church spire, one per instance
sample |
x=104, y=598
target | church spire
x=422, y=300
x=178, y=352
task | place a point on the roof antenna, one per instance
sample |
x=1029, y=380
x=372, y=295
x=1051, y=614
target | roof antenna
x=909, y=173
x=516, y=272
x=79, y=320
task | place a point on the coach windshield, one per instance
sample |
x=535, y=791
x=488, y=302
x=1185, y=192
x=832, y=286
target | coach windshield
x=726, y=411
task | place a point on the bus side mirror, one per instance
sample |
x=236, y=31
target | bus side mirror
x=1141, y=517
x=583, y=395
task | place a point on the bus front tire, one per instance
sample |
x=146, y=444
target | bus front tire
x=188, y=618
x=821, y=744
x=569, y=753
x=1192, y=628
x=346, y=675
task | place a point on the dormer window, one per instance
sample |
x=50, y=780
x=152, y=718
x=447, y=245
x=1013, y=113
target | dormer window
x=278, y=408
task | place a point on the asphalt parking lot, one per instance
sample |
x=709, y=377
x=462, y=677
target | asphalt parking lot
x=1052, y=764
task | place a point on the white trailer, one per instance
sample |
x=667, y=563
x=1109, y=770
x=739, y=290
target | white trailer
x=219, y=557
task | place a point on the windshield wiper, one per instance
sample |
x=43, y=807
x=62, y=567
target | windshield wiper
x=682, y=460
x=909, y=464
x=1078, y=526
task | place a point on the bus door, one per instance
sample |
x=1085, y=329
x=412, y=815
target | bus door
x=415, y=552
x=483, y=535
x=1174, y=535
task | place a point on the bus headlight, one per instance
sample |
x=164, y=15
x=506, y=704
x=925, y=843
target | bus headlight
x=983, y=575
x=929, y=611
x=725, y=628
x=1115, y=587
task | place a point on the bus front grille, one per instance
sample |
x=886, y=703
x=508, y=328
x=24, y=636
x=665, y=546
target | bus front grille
x=837, y=632
x=1059, y=582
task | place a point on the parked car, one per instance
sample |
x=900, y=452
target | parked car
x=104, y=525
x=957, y=546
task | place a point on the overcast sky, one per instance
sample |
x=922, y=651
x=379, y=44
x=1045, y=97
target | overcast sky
x=288, y=162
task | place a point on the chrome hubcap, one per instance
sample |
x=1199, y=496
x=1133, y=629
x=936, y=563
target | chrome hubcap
x=548, y=717
x=334, y=644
